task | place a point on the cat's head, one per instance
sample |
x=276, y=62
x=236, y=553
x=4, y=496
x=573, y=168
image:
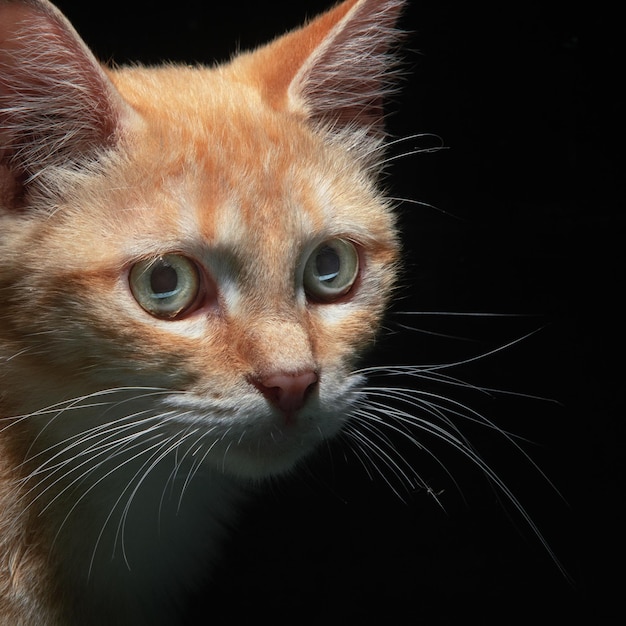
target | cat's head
x=205, y=248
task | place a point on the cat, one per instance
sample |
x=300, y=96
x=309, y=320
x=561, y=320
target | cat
x=192, y=262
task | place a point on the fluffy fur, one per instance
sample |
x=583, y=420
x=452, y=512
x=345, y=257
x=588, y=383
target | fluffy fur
x=127, y=439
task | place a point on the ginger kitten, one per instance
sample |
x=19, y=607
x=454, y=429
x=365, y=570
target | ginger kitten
x=192, y=261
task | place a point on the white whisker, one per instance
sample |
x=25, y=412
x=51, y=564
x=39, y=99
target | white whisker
x=124, y=462
x=166, y=449
x=406, y=411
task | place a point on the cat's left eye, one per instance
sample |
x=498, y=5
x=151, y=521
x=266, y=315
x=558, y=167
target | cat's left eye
x=331, y=270
x=167, y=286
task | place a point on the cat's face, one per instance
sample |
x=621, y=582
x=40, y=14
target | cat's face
x=223, y=266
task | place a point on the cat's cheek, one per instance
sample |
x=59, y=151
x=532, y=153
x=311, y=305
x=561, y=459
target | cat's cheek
x=342, y=332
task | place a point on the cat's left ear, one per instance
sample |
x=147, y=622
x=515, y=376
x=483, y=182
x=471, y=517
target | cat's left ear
x=57, y=105
x=338, y=68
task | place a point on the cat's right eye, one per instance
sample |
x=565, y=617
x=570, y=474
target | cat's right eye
x=167, y=286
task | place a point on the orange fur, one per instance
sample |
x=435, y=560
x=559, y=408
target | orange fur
x=244, y=169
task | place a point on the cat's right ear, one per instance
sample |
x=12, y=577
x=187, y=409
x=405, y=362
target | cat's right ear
x=57, y=105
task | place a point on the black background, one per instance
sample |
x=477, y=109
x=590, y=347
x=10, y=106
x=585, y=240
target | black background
x=523, y=214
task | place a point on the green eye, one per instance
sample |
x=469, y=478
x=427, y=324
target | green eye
x=165, y=286
x=331, y=270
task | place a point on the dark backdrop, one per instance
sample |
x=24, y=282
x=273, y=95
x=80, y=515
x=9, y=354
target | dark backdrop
x=522, y=213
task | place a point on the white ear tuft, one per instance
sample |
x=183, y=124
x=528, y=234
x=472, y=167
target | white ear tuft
x=351, y=72
x=337, y=69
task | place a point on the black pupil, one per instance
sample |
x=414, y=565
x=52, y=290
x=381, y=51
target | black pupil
x=327, y=264
x=163, y=279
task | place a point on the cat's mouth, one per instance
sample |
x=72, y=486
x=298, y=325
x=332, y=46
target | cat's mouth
x=265, y=428
x=252, y=440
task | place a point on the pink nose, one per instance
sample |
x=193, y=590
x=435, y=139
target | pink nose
x=287, y=392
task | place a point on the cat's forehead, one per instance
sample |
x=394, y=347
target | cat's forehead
x=218, y=164
x=270, y=220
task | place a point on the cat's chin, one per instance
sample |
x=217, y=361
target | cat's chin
x=249, y=468
x=270, y=460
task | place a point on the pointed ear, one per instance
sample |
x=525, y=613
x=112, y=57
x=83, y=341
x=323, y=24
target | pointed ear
x=338, y=68
x=57, y=105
